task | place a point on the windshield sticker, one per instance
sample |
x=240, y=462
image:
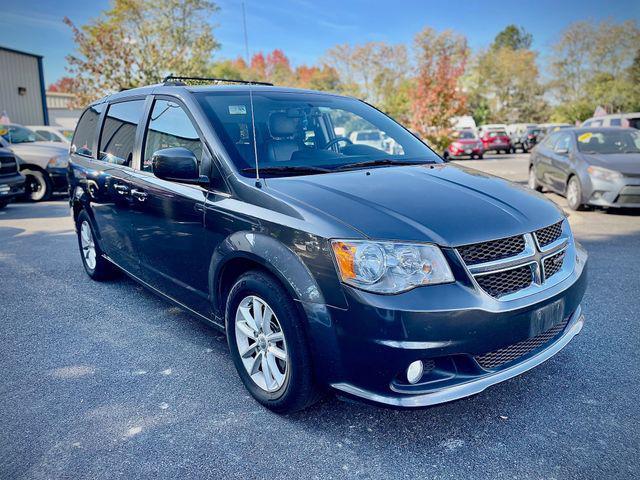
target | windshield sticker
x=3, y=131
x=585, y=137
x=237, y=109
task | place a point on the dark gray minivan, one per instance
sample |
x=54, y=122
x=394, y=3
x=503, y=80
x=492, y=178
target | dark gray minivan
x=386, y=275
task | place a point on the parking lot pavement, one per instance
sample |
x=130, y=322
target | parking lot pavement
x=108, y=380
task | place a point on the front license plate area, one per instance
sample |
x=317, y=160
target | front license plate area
x=546, y=317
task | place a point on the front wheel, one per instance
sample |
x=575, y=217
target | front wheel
x=268, y=345
x=574, y=194
x=37, y=186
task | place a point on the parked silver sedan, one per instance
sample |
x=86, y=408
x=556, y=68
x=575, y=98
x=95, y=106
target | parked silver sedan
x=589, y=166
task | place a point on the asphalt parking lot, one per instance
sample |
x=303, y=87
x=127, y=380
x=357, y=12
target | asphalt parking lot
x=106, y=380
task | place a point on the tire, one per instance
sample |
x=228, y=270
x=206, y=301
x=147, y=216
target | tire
x=574, y=193
x=96, y=266
x=480, y=156
x=37, y=187
x=3, y=204
x=532, y=182
x=524, y=149
x=288, y=386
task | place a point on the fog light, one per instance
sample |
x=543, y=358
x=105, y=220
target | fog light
x=414, y=372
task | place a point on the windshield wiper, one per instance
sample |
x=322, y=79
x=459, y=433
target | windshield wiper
x=289, y=170
x=382, y=162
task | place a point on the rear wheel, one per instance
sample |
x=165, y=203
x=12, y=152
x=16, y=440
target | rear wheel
x=533, y=181
x=37, y=186
x=574, y=193
x=3, y=204
x=268, y=344
x=96, y=266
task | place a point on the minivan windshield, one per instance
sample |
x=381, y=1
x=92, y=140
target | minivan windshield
x=609, y=141
x=304, y=133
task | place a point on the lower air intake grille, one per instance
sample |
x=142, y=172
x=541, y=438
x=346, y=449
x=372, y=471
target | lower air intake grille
x=498, y=358
x=503, y=283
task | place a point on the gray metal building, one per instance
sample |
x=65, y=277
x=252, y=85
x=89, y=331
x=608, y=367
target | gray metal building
x=22, y=91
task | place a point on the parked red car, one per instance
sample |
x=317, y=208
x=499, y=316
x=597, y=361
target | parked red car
x=496, y=140
x=465, y=144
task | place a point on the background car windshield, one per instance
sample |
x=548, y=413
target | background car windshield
x=466, y=134
x=614, y=141
x=308, y=130
x=18, y=134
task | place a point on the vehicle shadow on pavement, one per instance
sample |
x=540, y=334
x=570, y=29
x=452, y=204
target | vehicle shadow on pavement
x=31, y=211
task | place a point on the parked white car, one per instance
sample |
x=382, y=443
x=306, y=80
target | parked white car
x=44, y=164
x=53, y=133
x=491, y=127
x=615, y=120
x=372, y=138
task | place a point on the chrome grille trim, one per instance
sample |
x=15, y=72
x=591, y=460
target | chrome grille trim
x=533, y=255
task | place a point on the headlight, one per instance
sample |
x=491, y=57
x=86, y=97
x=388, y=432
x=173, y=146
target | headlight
x=59, y=161
x=390, y=267
x=604, y=174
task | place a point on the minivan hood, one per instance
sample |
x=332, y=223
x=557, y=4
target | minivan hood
x=444, y=203
x=628, y=163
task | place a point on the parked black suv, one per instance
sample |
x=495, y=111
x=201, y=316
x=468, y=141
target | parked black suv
x=394, y=278
x=11, y=181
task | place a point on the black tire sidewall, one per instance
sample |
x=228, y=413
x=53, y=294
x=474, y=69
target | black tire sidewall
x=294, y=394
x=43, y=179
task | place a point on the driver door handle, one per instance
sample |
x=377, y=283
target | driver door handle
x=121, y=188
x=139, y=195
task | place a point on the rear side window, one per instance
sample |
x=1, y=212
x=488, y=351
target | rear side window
x=85, y=134
x=615, y=122
x=119, y=132
x=170, y=126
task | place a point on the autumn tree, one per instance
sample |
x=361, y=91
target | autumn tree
x=436, y=95
x=138, y=42
x=62, y=85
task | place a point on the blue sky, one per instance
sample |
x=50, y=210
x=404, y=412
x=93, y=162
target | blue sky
x=305, y=29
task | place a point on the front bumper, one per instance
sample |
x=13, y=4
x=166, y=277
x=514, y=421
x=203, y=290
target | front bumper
x=11, y=186
x=58, y=178
x=449, y=326
x=623, y=193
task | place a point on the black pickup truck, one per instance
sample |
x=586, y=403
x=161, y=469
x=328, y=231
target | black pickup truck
x=11, y=181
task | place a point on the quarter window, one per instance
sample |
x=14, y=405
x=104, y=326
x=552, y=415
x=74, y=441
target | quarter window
x=170, y=126
x=615, y=122
x=119, y=132
x=85, y=134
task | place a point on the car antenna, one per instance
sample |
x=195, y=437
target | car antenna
x=253, y=118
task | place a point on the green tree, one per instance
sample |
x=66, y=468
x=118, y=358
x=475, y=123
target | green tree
x=137, y=42
x=590, y=67
x=513, y=37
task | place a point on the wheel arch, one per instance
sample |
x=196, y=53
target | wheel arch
x=244, y=251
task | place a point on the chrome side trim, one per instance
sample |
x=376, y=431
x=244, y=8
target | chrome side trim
x=475, y=386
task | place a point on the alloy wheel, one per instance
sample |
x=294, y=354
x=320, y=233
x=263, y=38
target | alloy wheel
x=572, y=193
x=88, y=245
x=261, y=343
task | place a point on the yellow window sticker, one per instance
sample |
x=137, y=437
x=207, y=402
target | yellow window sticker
x=3, y=131
x=585, y=137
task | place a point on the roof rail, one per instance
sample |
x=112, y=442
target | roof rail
x=171, y=80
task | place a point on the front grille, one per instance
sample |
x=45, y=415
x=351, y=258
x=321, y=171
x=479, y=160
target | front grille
x=505, y=282
x=549, y=234
x=502, y=356
x=8, y=165
x=553, y=264
x=493, y=250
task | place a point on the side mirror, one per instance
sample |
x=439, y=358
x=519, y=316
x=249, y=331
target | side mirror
x=176, y=164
